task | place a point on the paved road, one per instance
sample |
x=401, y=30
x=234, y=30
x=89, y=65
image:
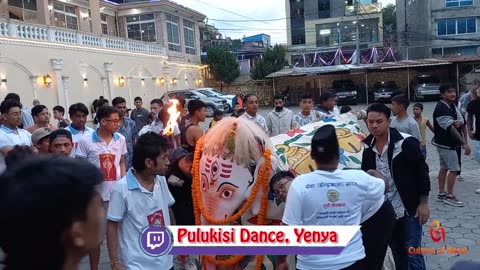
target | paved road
x=461, y=224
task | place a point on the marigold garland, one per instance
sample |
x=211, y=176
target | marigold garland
x=199, y=210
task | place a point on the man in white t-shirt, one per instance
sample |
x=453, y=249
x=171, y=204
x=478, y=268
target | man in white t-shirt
x=78, y=115
x=10, y=134
x=316, y=197
x=106, y=149
x=138, y=200
x=251, y=112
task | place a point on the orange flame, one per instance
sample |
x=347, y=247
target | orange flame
x=174, y=114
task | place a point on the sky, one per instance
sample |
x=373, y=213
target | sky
x=237, y=19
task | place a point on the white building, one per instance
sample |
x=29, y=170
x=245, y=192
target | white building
x=97, y=47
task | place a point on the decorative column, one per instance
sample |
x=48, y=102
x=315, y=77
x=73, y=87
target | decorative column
x=129, y=85
x=34, y=86
x=109, y=78
x=43, y=12
x=166, y=74
x=95, y=13
x=65, y=87
x=104, y=85
x=57, y=75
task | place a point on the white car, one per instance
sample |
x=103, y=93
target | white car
x=212, y=92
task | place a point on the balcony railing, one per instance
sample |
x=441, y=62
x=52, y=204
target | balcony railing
x=59, y=35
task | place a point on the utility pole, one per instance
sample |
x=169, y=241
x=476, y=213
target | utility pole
x=406, y=43
x=357, y=49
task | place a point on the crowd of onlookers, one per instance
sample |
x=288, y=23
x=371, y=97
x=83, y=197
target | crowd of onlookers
x=133, y=169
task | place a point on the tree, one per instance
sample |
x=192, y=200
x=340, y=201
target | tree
x=389, y=14
x=273, y=60
x=223, y=64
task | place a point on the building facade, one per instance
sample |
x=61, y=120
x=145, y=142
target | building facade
x=438, y=28
x=323, y=25
x=62, y=52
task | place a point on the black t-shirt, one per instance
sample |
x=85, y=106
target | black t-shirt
x=474, y=108
x=183, y=206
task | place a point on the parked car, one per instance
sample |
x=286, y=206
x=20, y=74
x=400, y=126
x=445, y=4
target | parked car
x=346, y=91
x=212, y=92
x=425, y=86
x=383, y=90
x=212, y=103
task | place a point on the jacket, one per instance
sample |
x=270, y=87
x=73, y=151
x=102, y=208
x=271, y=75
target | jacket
x=279, y=122
x=407, y=167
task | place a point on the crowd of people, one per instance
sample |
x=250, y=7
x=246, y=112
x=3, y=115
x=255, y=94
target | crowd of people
x=132, y=171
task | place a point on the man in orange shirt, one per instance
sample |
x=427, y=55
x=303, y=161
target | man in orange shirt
x=238, y=97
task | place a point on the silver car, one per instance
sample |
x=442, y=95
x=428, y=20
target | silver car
x=425, y=86
x=211, y=103
x=212, y=92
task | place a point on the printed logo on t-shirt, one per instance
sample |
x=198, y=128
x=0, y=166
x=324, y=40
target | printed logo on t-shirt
x=107, y=166
x=156, y=218
x=333, y=195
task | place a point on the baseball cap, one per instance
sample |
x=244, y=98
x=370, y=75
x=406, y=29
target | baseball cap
x=59, y=133
x=177, y=154
x=39, y=134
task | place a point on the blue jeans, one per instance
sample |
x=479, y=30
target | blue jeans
x=407, y=233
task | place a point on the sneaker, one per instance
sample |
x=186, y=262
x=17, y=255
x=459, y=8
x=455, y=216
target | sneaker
x=460, y=178
x=441, y=196
x=453, y=201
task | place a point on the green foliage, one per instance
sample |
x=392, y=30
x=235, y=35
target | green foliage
x=389, y=18
x=273, y=60
x=223, y=64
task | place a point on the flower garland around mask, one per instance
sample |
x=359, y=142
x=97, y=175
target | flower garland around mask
x=199, y=210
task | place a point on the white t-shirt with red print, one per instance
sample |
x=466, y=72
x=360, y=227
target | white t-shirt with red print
x=135, y=208
x=105, y=156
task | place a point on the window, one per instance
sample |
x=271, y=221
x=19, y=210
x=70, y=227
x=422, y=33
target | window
x=172, y=33
x=323, y=9
x=458, y=3
x=345, y=33
x=456, y=26
x=189, y=33
x=65, y=16
x=103, y=19
x=24, y=10
x=141, y=27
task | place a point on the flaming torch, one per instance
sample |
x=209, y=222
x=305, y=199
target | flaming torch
x=174, y=114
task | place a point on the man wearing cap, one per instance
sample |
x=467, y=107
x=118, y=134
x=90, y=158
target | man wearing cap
x=61, y=142
x=41, y=140
x=315, y=199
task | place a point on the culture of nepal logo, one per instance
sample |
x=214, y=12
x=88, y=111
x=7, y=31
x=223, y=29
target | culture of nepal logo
x=437, y=234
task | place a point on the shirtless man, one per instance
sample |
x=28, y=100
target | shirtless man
x=192, y=132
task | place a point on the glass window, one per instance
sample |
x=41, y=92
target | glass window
x=323, y=9
x=189, y=33
x=458, y=3
x=65, y=16
x=451, y=25
x=141, y=27
x=172, y=33
x=471, y=25
x=335, y=34
x=456, y=26
x=103, y=19
x=442, y=27
x=24, y=10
